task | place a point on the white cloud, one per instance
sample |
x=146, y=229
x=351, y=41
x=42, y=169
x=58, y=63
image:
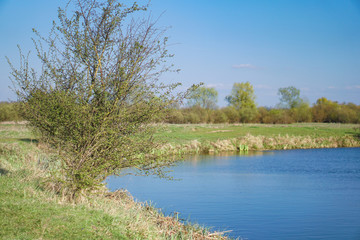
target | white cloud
x=218, y=86
x=331, y=87
x=215, y=85
x=262, y=86
x=352, y=87
x=246, y=65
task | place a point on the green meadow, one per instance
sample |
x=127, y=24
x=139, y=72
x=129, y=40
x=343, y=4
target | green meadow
x=182, y=133
x=215, y=138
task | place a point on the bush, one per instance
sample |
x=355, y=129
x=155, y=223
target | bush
x=219, y=116
x=98, y=93
x=232, y=114
x=278, y=116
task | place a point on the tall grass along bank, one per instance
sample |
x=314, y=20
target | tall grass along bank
x=206, y=138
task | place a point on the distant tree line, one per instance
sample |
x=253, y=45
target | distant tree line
x=8, y=112
x=202, y=107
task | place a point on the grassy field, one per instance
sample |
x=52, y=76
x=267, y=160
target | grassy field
x=31, y=209
x=182, y=133
x=210, y=138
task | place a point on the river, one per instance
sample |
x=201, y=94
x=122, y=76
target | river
x=290, y=194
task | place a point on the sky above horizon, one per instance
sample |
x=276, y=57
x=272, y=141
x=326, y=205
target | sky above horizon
x=313, y=45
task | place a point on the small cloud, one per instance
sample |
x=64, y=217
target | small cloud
x=352, y=87
x=262, y=86
x=331, y=87
x=247, y=65
x=218, y=86
x=212, y=85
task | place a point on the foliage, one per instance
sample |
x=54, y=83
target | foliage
x=289, y=97
x=302, y=113
x=203, y=97
x=278, y=116
x=220, y=116
x=98, y=91
x=329, y=112
x=325, y=110
x=8, y=112
x=242, y=98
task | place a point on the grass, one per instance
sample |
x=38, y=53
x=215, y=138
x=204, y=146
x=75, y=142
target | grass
x=27, y=216
x=11, y=132
x=30, y=209
x=182, y=133
x=228, y=137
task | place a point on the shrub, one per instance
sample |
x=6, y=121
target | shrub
x=98, y=93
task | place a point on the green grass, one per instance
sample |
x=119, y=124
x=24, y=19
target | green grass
x=183, y=133
x=30, y=209
x=27, y=211
x=25, y=216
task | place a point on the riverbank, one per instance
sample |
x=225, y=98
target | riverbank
x=30, y=208
x=215, y=138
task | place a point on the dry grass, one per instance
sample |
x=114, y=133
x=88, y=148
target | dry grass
x=167, y=226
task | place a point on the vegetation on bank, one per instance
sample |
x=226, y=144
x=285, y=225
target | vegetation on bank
x=212, y=138
x=31, y=208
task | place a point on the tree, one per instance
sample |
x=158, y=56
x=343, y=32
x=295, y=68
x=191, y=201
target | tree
x=98, y=92
x=242, y=98
x=325, y=110
x=302, y=113
x=204, y=97
x=289, y=97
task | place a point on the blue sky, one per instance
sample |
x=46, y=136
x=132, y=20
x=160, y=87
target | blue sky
x=313, y=45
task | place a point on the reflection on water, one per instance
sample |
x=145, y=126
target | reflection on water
x=293, y=194
x=218, y=158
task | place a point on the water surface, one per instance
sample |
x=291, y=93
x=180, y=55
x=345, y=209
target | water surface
x=293, y=194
